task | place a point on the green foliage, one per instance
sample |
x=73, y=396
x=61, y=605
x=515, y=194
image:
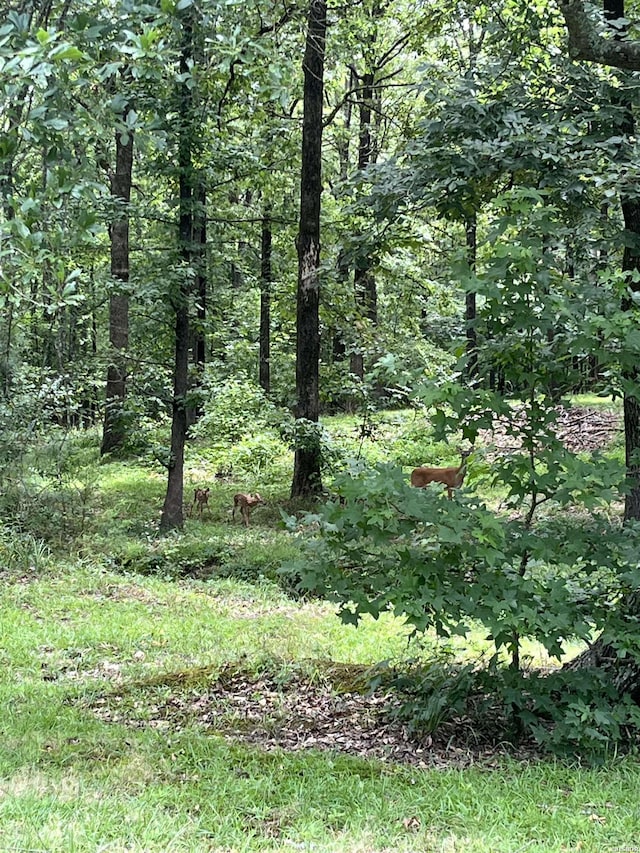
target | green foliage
x=448, y=564
x=433, y=693
x=414, y=445
x=234, y=409
x=310, y=435
x=571, y=711
x=550, y=564
x=257, y=455
x=49, y=488
x=174, y=557
x=568, y=712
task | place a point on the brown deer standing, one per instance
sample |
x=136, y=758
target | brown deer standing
x=452, y=478
x=201, y=498
x=246, y=504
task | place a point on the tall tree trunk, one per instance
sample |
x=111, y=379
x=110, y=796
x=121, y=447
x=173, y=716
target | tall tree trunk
x=200, y=247
x=266, y=278
x=338, y=345
x=471, y=234
x=172, y=511
x=199, y=255
x=615, y=14
x=364, y=281
x=114, y=432
x=306, y=471
x=631, y=263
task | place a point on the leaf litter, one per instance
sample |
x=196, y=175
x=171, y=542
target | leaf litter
x=290, y=710
x=580, y=428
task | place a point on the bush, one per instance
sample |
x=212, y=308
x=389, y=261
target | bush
x=234, y=410
x=451, y=565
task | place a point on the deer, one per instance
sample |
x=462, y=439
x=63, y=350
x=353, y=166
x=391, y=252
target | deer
x=246, y=504
x=452, y=477
x=201, y=499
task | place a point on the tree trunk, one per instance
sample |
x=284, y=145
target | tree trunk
x=624, y=672
x=631, y=264
x=366, y=296
x=199, y=255
x=471, y=234
x=172, y=511
x=200, y=241
x=114, y=430
x=615, y=14
x=266, y=279
x=306, y=472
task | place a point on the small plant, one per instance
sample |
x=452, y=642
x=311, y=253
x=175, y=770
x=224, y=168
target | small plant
x=22, y=552
x=430, y=694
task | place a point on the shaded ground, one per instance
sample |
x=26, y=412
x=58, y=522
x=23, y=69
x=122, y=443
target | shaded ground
x=293, y=711
x=579, y=428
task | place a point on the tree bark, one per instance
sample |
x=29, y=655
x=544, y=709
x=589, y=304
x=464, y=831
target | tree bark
x=614, y=14
x=200, y=241
x=266, y=278
x=586, y=40
x=114, y=431
x=172, y=511
x=631, y=264
x=306, y=473
x=199, y=256
x=470, y=300
x=366, y=295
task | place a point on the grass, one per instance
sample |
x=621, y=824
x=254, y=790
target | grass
x=120, y=608
x=72, y=782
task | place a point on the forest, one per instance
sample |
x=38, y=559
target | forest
x=319, y=424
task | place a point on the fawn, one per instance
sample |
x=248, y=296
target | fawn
x=452, y=478
x=201, y=498
x=246, y=504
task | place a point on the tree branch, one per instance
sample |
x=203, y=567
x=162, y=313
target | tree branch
x=587, y=40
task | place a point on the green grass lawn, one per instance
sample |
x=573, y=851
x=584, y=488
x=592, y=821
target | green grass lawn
x=71, y=781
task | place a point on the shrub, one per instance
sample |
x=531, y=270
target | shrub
x=234, y=410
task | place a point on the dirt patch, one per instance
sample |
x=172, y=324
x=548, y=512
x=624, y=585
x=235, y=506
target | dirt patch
x=293, y=712
x=579, y=428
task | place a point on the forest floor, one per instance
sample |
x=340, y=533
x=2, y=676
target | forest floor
x=580, y=428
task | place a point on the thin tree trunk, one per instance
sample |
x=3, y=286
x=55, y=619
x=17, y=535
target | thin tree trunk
x=471, y=235
x=200, y=240
x=338, y=345
x=114, y=432
x=172, y=511
x=631, y=264
x=266, y=278
x=364, y=281
x=306, y=472
x=199, y=253
x=615, y=13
